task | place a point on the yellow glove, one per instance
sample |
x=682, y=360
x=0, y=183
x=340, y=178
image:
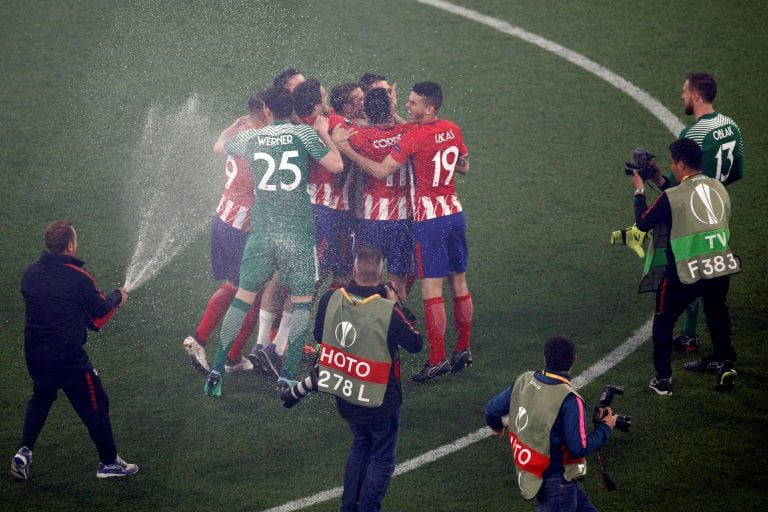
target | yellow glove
x=631, y=237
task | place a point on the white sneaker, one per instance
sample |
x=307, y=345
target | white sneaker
x=196, y=353
x=117, y=468
x=243, y=366
x=20, y=463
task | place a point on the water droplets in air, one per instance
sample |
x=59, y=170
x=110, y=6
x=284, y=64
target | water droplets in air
x=174, y=188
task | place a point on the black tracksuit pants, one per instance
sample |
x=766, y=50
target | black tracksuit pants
x=90, y=402
x=672, y=297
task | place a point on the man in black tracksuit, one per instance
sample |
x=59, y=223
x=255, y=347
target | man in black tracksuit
x=62, y=302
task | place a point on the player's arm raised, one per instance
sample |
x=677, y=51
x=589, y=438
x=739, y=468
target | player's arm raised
x=238, y=125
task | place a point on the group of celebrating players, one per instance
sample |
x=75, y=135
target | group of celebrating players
x=306, y=184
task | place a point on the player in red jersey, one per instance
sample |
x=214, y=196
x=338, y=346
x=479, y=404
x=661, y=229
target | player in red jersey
x=329, y=194
x=229, y=230
x=384, y=210
x=347, y=101
x=435, y=147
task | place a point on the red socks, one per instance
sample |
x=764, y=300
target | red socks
x=434, y=320
x=435, y=324
x=249, y=324
x=214, y=312
x=462, y=318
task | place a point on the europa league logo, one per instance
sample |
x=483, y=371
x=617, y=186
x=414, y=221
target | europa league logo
x=707, y=205
x=521, y=420
x=345, y=334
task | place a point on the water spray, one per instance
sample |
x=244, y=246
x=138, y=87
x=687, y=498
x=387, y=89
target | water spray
x=174, y=189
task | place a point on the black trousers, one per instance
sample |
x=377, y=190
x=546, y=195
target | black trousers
x=90, y=402
x=672, y=297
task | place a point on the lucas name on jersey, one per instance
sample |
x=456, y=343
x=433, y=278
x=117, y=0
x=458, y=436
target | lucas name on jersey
x=444, y=137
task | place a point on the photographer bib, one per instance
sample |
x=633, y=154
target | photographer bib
x=354, y=359
x=535, y=407
x=701, y=214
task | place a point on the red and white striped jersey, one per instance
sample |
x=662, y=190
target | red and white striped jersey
x=324, y=187
x=237, y=200
x=433, y=149
x=388, y=198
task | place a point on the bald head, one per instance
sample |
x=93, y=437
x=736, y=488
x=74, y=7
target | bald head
x=368, y=267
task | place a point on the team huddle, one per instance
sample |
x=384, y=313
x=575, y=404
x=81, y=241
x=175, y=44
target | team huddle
x=307, y=186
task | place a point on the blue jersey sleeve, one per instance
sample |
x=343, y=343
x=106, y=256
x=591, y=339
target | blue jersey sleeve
x=497, y=408
x=575, y=418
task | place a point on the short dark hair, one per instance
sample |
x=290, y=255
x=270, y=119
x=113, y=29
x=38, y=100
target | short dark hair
x=704, y=84
x=686, y=151
x=306, y=96
x=369, y=263
x=279, y=101
x=432, y=93
x=282, y=79
x=368, y=79
x=341, y=95
x=58, y=235
x=560, y=353
x=378, y=105
x=256, y=103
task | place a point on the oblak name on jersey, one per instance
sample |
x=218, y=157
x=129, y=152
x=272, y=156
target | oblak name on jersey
x=722, y=133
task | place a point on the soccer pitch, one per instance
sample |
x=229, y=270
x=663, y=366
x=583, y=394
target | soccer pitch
x=109, y=112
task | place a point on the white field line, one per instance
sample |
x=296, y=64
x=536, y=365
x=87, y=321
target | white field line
x=647, y=101
x=630, y=345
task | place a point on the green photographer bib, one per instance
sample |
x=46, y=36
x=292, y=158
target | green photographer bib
x=533, y=409
x=354, y=359
x=700, y=235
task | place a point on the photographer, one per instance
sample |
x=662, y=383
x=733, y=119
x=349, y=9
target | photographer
x=360, y=328
x=696, y=214
x=547, y=431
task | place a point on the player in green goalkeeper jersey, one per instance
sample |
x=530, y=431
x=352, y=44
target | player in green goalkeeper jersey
x=722, y=158
x=282, y=231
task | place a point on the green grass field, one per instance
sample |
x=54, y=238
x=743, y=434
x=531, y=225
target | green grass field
x=547, y=141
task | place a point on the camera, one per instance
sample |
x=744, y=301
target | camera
x=623, y=422
x=643, y=162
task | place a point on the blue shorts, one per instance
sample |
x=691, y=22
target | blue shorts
x=333, y=239
x=392, y=238
x=227, y=244
x=440, y=246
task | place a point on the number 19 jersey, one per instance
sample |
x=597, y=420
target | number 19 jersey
x=434, y=149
